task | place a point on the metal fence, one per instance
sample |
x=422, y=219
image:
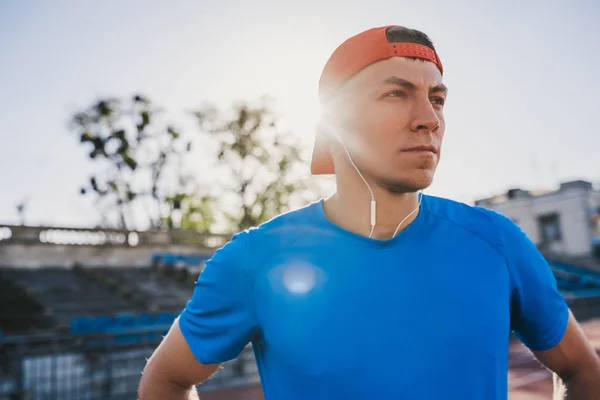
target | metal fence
x=64, y=367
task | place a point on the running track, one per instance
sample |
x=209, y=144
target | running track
x=527, y=380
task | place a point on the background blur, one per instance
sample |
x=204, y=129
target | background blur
x=136, y=137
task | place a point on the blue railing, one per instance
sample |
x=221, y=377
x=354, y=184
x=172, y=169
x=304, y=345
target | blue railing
x=172, y=259
x=121, y=322
x=576, y=281
x=125, y=329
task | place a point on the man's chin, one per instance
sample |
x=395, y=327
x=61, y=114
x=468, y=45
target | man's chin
x=420, y=181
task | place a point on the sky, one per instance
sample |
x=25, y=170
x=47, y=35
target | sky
x=522, y=109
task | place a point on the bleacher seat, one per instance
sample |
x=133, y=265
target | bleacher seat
x=126, y=328
x=575, y=282
x=145, y=320
x=165, y=318
x=172, y=259
x=125, y=321
x=101, y=324
x=82, y=326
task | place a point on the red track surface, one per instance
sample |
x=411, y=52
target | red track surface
x=253, y=392
x=527, y=380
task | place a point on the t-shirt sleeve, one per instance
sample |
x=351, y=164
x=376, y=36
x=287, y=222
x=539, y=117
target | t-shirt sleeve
x=539, y=312
x=220, y=320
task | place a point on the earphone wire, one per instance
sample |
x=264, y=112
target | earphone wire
x=373, y=202
x=365, y=181
x=413, y=211
x=373, y=196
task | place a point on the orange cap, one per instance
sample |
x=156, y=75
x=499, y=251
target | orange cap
x=350, y=57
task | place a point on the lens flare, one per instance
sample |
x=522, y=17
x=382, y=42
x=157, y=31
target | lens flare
x=299, y=279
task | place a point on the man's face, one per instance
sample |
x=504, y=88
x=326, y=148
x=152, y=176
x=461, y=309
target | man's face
x=390, y=116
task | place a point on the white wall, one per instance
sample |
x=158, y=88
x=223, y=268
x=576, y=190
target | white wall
x=34, y=247
x=42, y=255
x=595, y=206
x=571, y=204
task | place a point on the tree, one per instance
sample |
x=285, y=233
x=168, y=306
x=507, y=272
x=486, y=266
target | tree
x=263, y=165
x=143, y=166
x=190, y=212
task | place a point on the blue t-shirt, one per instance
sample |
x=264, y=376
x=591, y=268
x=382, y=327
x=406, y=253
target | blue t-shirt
x=335, y=315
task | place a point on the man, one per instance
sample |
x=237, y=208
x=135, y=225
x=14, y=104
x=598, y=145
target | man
x=377, y=292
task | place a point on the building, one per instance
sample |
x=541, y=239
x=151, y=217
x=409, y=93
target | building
x=565, y=221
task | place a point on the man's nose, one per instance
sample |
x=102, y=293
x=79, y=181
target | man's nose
x=425, y=118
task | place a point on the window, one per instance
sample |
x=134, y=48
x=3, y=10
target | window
x=549, y=226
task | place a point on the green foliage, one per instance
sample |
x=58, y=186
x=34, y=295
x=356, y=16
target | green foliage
x=143, y=160
x=262, y=162
x=193, y=212
x=137, y=152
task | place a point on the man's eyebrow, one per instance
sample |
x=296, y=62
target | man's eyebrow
x=439, y=89
x=394, y=80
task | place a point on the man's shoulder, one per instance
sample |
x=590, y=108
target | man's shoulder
x=269, y=238
x=287, y=225
x=487, y=224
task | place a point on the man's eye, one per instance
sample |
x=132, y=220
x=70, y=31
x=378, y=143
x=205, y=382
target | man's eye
x=438, y=101
x=396, y=93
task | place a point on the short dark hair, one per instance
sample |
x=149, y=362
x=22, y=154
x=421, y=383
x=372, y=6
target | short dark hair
x=400, y=34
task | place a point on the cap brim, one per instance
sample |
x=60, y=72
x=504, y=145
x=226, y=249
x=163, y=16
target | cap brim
x=322, y=160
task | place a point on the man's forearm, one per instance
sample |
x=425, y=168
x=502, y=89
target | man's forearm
x=583, y=385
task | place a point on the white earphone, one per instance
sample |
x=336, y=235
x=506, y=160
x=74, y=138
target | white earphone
x=327, y=129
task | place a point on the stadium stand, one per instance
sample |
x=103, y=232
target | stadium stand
x=85, y=332
x=19, y=310
x=65, y=293
x=146, y=289
x=107, y=298
x=581, y=288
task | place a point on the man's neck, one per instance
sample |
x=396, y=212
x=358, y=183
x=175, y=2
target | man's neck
x=350, y=208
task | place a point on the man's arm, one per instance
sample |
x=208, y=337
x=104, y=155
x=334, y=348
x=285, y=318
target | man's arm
x=173, y=371
x=575, y=364
x=541, y=319
x=214, y=327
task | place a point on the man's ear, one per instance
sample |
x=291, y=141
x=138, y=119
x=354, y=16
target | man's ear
x=322, y=129
x=326, y=128
x=322, y=160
